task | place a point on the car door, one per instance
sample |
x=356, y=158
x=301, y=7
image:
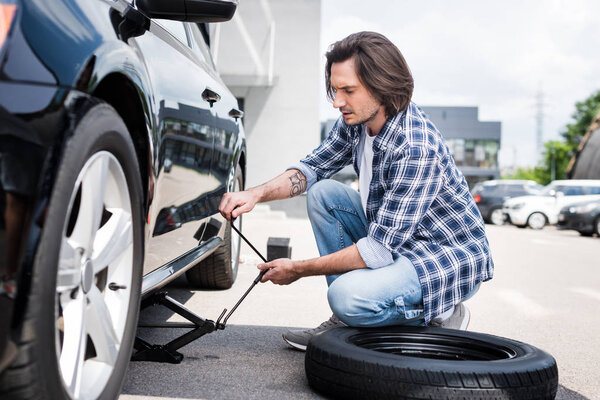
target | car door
x=183, y=136
x=225, y=133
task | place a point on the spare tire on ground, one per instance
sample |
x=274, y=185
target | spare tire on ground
x=427, y=363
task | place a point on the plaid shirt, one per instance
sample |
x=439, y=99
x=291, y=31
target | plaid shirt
x=419, y=205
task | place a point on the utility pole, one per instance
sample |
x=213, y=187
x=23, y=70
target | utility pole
x=539, y=117
x=553, y=164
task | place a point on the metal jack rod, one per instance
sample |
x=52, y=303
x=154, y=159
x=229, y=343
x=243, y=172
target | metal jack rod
x=168, y=352
x=221, y=325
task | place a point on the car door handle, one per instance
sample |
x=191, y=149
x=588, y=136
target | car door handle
x=211, y=96
x=235, y=113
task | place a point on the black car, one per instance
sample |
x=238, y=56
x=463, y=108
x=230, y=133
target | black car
x=118, y=139
x=490, y=195
x=583, y=217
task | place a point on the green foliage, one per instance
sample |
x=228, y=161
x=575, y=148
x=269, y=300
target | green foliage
x=554, y=164
x=534, y=174
x=584, y=114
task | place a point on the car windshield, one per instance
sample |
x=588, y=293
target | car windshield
x=567, y=190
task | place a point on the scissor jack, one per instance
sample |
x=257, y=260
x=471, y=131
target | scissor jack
x=168, y=353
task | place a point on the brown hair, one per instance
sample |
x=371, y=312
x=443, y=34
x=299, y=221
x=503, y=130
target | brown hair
x=380, y=67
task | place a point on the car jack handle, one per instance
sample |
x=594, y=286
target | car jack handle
x=221, y=325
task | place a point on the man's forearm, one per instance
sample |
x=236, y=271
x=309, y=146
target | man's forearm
x=289, y=184
x=341, y=261
x=284, y=271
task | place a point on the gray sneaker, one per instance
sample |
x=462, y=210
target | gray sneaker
x=458, y=320
x=298, y=338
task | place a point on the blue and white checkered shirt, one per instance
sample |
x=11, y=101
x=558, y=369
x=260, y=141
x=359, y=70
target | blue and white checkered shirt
x=419, y=205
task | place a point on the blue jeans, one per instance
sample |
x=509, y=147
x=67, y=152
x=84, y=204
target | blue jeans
x=389, y=295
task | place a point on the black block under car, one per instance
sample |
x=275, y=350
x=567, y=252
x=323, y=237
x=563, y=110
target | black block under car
x=118, y=139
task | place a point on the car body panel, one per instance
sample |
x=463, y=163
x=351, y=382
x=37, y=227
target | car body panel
x=518, y=209
x=58, y=53
x=581, y=217
x=490, y=195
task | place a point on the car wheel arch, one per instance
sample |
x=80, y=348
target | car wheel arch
x=119, y=91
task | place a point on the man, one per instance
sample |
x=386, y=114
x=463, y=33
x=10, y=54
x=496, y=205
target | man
x=410, y=246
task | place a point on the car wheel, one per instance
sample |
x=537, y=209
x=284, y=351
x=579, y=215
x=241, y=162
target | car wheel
x=536, y=220
x=83, y=304
x=497, y=216
x=597, y=226
x=219, y=270
x=427, y=363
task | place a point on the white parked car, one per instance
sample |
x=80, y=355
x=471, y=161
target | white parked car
x=538, y=210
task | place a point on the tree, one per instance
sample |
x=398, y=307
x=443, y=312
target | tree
x=585, y=112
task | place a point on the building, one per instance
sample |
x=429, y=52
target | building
x=474, y=144
x=269, y=57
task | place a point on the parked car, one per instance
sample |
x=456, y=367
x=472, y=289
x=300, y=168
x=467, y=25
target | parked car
x=118, y=139
x=583, y=217
x=538, y=210
x=490, y=195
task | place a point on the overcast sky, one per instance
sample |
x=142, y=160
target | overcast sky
x=492, y=54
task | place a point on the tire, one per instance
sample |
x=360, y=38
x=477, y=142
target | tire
x=219, y=270
x=597, y=226
x=537, y=221
x=496, y=216
x=427, y=363
x=73, y=322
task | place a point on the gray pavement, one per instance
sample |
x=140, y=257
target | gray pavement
x=546, y=292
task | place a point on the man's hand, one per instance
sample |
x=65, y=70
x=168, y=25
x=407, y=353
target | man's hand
x=236, y=203
x=281, y=271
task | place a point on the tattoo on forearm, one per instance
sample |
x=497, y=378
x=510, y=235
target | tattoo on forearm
x=298, y=184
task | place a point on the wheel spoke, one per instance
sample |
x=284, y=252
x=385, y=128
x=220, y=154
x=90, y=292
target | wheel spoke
x=101, y=328
x=72, y=355
x=69, y=267
x=112, y=239
x=93, y=187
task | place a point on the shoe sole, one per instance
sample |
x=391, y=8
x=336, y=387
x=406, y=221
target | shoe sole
x=295, y=346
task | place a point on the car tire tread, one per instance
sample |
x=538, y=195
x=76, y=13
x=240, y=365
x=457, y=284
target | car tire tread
x=26, y=378
x=339, y=369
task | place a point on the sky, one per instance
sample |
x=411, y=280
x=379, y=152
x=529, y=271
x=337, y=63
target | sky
x=494, y=55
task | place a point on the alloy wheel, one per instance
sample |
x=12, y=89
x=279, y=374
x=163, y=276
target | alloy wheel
x=497, y=217
x=536, y=220
x=94, y=279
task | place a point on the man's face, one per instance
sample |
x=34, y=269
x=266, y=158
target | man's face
x=354, y=101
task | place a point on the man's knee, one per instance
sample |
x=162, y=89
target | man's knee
x=320, y=190
x=347, y=304
x=319, y=194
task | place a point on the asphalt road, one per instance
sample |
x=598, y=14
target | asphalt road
x=546, y=292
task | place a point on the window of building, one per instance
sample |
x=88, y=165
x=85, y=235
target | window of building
x=474, y=153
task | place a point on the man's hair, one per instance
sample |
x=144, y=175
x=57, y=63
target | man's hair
x=379, y=65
